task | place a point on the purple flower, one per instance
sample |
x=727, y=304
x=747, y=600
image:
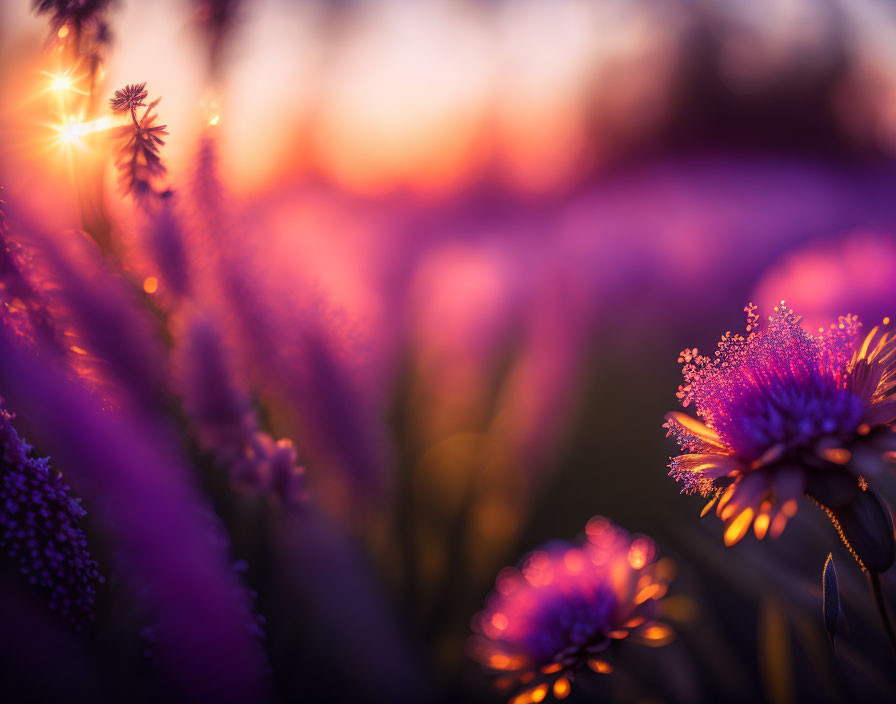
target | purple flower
x=786, y=413
x=39, y=529
x=566, y=605
x=131, y=471
x=225, y=423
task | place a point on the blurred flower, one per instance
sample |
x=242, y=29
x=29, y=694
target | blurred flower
x=39, y=529
x=855, y=271
x=20, y=305
x=225, y=422
x=786, y=413
x=564, y=607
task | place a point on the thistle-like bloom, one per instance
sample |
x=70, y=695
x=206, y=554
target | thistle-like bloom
x=129, y=98
x=139, y=163
x=39, y=529
x=562, y=610
x=786, y=413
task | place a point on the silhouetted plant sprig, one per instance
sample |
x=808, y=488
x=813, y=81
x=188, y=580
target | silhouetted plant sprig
x=79, y=16
x=83, y=24
x=139, y=163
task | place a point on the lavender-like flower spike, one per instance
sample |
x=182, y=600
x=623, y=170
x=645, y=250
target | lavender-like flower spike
x=139, y=163
x=225, y=422
x=39, y=529
x=20, y=305
x=134, y=476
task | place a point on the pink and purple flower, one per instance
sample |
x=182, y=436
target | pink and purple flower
x=565, y=606
x=782, y=413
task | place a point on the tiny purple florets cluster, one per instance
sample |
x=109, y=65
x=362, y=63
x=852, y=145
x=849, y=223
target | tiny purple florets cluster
x=778, y=384
x=783, y=413
x=39, y=529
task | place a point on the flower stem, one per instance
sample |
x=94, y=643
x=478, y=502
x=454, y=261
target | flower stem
x=878, y=596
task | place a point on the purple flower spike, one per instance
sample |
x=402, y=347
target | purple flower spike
x=225, y=422
x=129, y=470
x=786, y=413
x=39, y=529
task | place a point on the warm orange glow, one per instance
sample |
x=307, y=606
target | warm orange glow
x=789, y=508
x=708, y=507
x=539, y=693
x=78, y=350
x=837, y=455
x=64, y=81
x=151, y=285
x=760, y=526
x=561, y=688
x=778, y=524
x=738, y=527
x=648, y=592
x=538, y=571
x=725, y=498
x=552, y=668
x=657, y=634
x=696, y=428
x=214, y=120
x=71, y=132
x=60, y=83
x=574, y=561
x=600, y=666
x=637, y=555
x=63, y=32
x=499, y=661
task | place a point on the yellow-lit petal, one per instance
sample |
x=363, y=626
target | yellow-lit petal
x=561, y=688
x=656, y=634
x=699, y=430
x=760, y=525
x=738, y=527
x=601, y=666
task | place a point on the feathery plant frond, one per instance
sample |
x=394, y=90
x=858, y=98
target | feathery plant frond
x=139, y=163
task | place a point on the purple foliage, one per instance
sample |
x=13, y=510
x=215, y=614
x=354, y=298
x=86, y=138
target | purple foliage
x=130, y=471
x=39, y=529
